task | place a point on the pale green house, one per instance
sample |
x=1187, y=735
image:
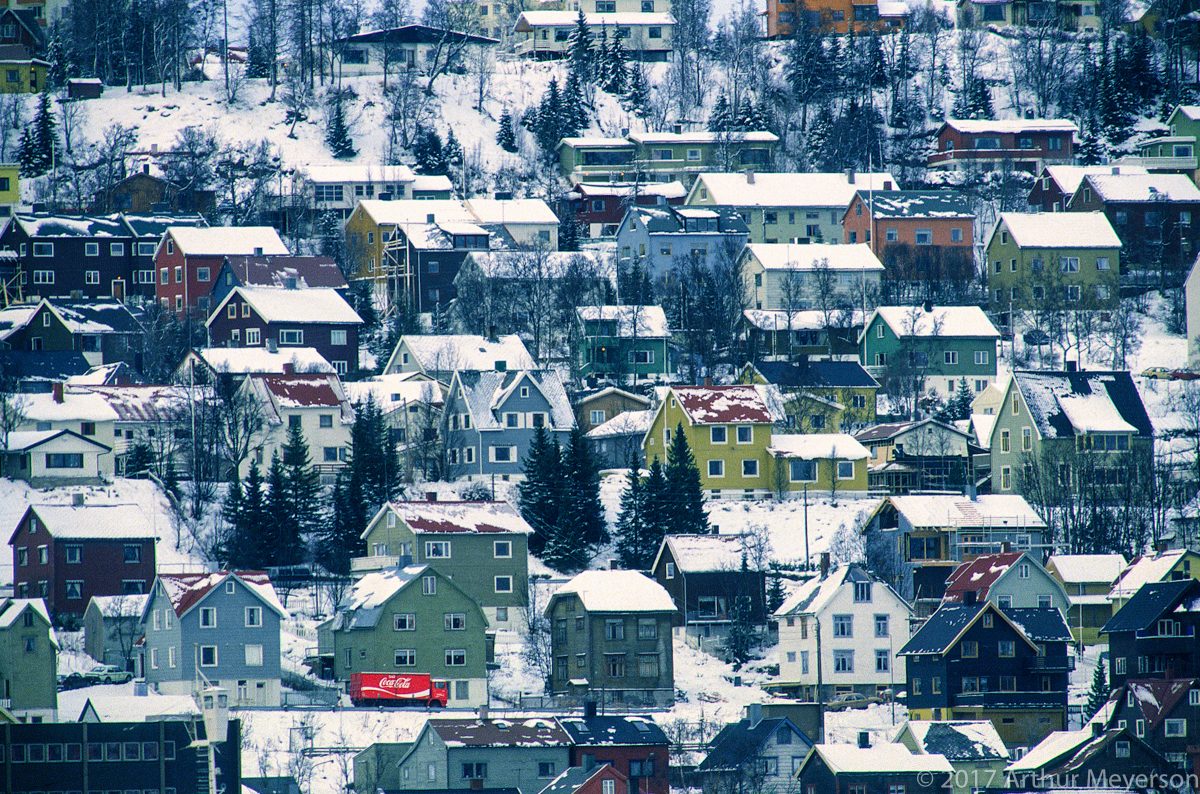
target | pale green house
x=28, y=660
x=1176, y=152
x=665, y=156
x=411, y=620
x=1038, y=260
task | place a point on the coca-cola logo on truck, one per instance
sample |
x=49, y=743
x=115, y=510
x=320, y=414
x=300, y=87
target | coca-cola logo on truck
x=396, y=681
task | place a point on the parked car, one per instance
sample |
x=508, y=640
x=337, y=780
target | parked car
x=107, y=674
x=850, y=700
x=1036, y=337
x=1159, y=373
x=71, y=681
x=1185, y=374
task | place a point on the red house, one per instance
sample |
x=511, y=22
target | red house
x=188, y=259
x=602, y=779
x=635, y=747
x=1019, y=144
x=278, y=318
x=66, y=554
x=599, y=208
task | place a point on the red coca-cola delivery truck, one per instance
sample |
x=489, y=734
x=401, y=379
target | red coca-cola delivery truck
x=393, y=689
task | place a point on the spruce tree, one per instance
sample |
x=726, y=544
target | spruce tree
x=282, y=533
x=568, y=233
x=229, y=553
x=581, y=54
x=303, y=484
x=548, y=121
x=775, y=592
x=38, y=148
x=719, y=119
x=429, y=153
x=140, y=460
x=340, y=538
x=633, y=531
x=603, y=60
x=637, y=96
x=253, y=545
x=687, y=515
x=619, y=73
x=1099, y=693
x=538, y=495
x=658, y=499
x=582, y=511
x=506, y=136
x=574, y=114
x=337, y=134
x=740, y=641
x=258, y=60
x=56, y=75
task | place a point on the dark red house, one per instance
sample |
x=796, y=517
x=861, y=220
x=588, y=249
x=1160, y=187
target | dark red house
x=292, y=272
x=66, y=554
x=635, y=746
x=590, y=780
x=1019, y=144
x=599, y=208
x=188, y=259
x=278, y=318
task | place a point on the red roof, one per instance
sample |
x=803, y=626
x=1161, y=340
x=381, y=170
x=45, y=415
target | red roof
x=307, y=390
x=979, y=575
x=1157, y=698
x=715, y=405
x=187, y=589
x=461, y=517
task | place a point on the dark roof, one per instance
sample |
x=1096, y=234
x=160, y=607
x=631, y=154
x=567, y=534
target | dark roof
x=945, y=738
x=941, y=628
x=529, y=732
x=18, y=52
x=1040, y=624
x=1043, y=390
x=414, y=34
x=1156, y=698
x=99, y=316
x=278, y=271
x=57, y=365
x=271, y=785
x=573, y=777
x=612, y=731
x=816, y=374
x=157, y=225
x=917, y=204
x=887, y=430
x=738, y=743
x=659, y=220
x=1149, y=603
x=49, y=225
x=27, y=18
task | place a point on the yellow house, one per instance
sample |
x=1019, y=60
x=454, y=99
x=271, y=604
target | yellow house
x=1087, y=578
x=1163, y=566
x=730, y=430
x=10, y=188
x=22, y=74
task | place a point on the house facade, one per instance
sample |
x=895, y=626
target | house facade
x=1017, y=144
x=28, y=660
x=634, y=746
x=1151, y=637
x=922, y=455
x=438, y=356
x=845, y=383
x=1056, y=184
x=222, y=629
x=611, y=639
x=60, y=255
x=411, y=620
x=973, y=748
x=658, y=237
x=624, y=341
x=705, y=577
x=872, y=768
x=644, y=29
x=112, y=627
x=1008, y=579
x=1087, y=578
x=786, y=277
x=675, y=156
x=286, y=272
x=599, y=207
x=757, y=751
x=593, y=410
x=482, y=547
x=188, y=258
x=314, y=403
x=484, y=753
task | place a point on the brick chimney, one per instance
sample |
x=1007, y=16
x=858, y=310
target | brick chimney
x=57, y=391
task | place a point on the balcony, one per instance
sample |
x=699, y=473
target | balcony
x=1012, y=700
x=376, y=562
x=1164, y=163
x=945, y=159
x=1051, y=664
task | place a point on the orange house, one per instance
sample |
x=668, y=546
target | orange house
x=919, y=235
x=834, y=16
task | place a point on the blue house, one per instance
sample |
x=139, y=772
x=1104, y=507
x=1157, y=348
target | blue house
x=658, y=236
x=217, y=628
x=490, y=418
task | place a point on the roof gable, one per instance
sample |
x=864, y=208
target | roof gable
x=185, y=591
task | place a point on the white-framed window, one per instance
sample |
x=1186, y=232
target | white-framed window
x=1102, y=263
x=503, y=584
x=291, y=337
x=254, y=617
x=1069, y=264
x=1174, y=728
x=437, y=549
x=950, y=357
x=718, y=434
x=750, y=468
x=338, y=337
x=671, y=575
x=596, y=417
x=802, y=470
x=171, y=660
x=502, y=549
x=118, y=249
x=253, y=336
x=208, y=617
x=981, y=357
x=716, y=468
x=845, y=470
x=91, y=249
x=745, y=434
x=454, y=621
x=404, y=621
x=154, y=658
x=43, y=249
x=208, y=656
x=254, y=655
x=43, y=277
x=456, y=657
x=405, y=657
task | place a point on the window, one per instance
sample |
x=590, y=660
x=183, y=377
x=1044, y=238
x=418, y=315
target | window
x=437, y=549
x=648, y=665
x=291, y=337
x=43, y=555
x=596, y=417
x=614, y=629
x=455, y=621
x=956, y=235
x=74, y=589
x=924, y=236
x=1121, y=749
x=716, y=468
x=981, y=357
x=1070, y=264
x=64, y=460
x=1008, y=683
x=883, y=661
x=845, y=470
x=843, y=661
x=208, y=618
x=614, y=665
x=843, y=625
x=404, y=621
x=502, y=549
x=749, y=468
x=503, y=584
x=43, y=277
x=1006, y=649
x=802, y=470
x=501, y=454
x=647, y=629
x=1005, y=441
x=43, y=249
x=950, y=357
x=337, y=337
x=882, y=626
x=745, y=434
x=404, y=657
x=428, y=585
x=1174, y=728
x=208, y=656
x=254, y=618
x=456, y=657
x=969, y=649
x=254, y=655
x=253, y=336
x=74, y=555
x=1102, y=263
x=1044, y=602
x=718, y=434
x=862, y=592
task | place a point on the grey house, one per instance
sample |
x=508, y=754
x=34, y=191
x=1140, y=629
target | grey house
x=490, y=418
x=658, y=236
x=476, y=753
x=221, y=628
x=112, y=626
x=754, y=754
x=28, y=660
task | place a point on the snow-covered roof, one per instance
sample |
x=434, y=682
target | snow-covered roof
x=1190, y=111
x=753, y=136
x=668, y=190
x=879, y=758
x=430, y=183
x=803, y=320
x=981, y=426
x=617, y=591
x=275, y=305
x=121, y=606
x=95, y=522
x=395, y=391
x=448, y=352
x=1093, y=413
x=959, y=740
x=625, y=423
x=457, y=518
x=519, y=732
x=788, y=189
x=227, y=240
x=506, y=211
x=186, y=590
x=280, y=393
x=143, y=708
x=519, y=265
x=352, y=173
x=375, y=589
x=75, y=406
x=1011, y=126
x=14, y=318
x=706, y=553
x=1086, y=568
x=811, y=596
x=1143, y=187
x=539, y=19
x=1054, y=746
x=949, y=510
x=1055, y=230
x=143, y=403
x=485, y=393
x=71, y=226
x=817, y=446
x=597, y=142
x=944, y=204
x=12, y=608
x=1146, y=569
x=651, y=321
x=857, y=257
x=715, y=405
x=1068, y=177
x=247, y=360
x=411, y=213
x=1067, y=404
x=25, y=440
x=943, y=321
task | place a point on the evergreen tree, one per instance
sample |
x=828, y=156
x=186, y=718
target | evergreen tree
x=740, y=641
x=282, y=534
x=1091, y=150
x=658, y=499
x=56, y=75
x=506, y=136
x=1099, y=693
x=637, y=96
x=687, y=515
x=229, y=552
x=635, y=544
x=581, y=54
x=429, y=153
x=258, y=60
x=140, y=460
x=620, y=77
x=453, y=153
x=38, y=148
x=337, y=133
x=303, y=485
x=253, y=545
x=340, y=539
x=538, y=495
x=775, y=593
x=568, y=233
x=603, y=59
x=574, y=114
x=720, y=119
x=818, y=139
x=959, y=406
x=547, y=123
x=582, y=509
x=879, y=72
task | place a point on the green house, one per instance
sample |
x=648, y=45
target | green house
x=28, y=660
x=624, y=342
x=411, y=620
x=1176, y=152
x=930, y=350
x=482, y=546
x=664, y=156
x=1042, y=260
x=841, y=391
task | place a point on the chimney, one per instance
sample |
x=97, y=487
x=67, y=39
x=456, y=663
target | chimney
x=145, y=168
x=970, y=598
x=1072, y=366
x=431, y=496
x=864, y=739
x=288, y=368
x=589, y=709
x=708, y=380
x=491, y=334
x=258, y=250
x=677, y=129
x=56, y=390
x=928, y=306
x=750, y=177
x=429, y=217
x=272, y=344
x=154, y=147
x=972, y=492
x=77, y=499
x=503, y=195
x=1116, y=169
x=1097, y=728
x=887, y=184
x=754, y=714
x=824, y=564
x=483, y=713
x=850, y=176
x=614, y=565
x=1005, y=547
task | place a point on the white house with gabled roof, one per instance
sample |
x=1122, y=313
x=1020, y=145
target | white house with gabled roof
x=439, y=355
x=316, y=403
x=779, y=274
